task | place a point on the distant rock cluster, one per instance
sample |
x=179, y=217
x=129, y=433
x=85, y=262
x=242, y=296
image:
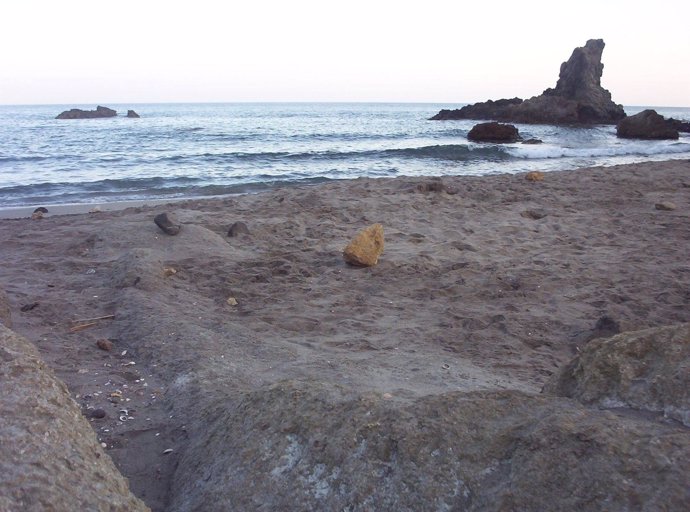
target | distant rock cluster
x=99, y=113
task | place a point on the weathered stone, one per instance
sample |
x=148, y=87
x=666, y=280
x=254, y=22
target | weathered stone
x=647, y=124
x=167, y=223
x=532, y=141
x=665, y=206
x=364, y=250
x=104, y=344
x=578, y=97
x=314, y=446
x=493, y=132
x=50, y=458
x=534, y=214
x=132, y=114
x=237, y=229
x=5, y=311
x=77, y=113
x=645, y=370
x=534, y=176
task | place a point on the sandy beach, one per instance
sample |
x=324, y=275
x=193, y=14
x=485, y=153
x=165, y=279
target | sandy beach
x=486, y=285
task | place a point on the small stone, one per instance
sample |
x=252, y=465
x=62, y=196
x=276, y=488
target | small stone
x=95, y=209
x=104, y=344
x=364, y=250
x=532, y=141
x=666, y=206
x=37, y=215
x=169, y=271
x=535, y=176
x=167, y=451
x=237, y=229
x=103, y=445
x=535, y=214
x=98, y=414
x=41, y=209
x=28, y=307
x=167, y=224
x=232, y=301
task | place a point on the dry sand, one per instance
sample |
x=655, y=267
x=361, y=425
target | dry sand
x=485, y=283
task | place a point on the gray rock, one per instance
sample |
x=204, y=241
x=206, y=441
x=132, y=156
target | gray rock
x=644, y=370
x=493, y=132
x=313, y=446
x=647, y=124
x=50, y=458
x=237, y=229
x=167, y=223
x=132, y=114
x=5, y=311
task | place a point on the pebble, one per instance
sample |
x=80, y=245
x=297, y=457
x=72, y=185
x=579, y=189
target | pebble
x=166, y=452
x=666, y=206
x=98, y=413
x=104, y=344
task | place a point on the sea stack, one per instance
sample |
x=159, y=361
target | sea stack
x=578, y=97
x=77, y=113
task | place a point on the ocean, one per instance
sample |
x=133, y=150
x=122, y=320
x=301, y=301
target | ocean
x=194, y=150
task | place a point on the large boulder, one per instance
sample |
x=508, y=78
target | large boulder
x=77, y=113
x=677, y=124
x=647, y=124
x=493, y=132
x=50, y=457
x=578, y=97
x=314, y=446
x=646, y=370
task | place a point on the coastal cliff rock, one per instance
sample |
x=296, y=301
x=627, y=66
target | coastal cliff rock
x=578, y=97
x=644, y=370
x=493, y=132
x=310, y=445
x=647, y=124
x=77, y=113
x=51, y=459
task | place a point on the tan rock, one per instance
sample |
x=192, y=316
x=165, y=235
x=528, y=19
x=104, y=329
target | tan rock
x=535, y=176
x=364, y=249
x=5, y=312
x=666, y=206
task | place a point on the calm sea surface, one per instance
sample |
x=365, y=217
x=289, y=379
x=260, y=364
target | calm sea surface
x=188, y=150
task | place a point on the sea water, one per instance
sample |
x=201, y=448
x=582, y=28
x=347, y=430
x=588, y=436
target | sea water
x=192, y=150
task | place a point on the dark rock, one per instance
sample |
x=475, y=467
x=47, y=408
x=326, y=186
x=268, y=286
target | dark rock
x=532, y=141
x=29, y=307
x=50, y=459
x=493, y=132
x=5, y=311
x=98, y=413
x=104, y=344
x=676, y=124
x=167, y=223
x=647, y=124
x=77, y=113
x=237, y=229
x=578, y=97
x=644, y=370
x=314, y=446
x=132, y=114
x=41, y=209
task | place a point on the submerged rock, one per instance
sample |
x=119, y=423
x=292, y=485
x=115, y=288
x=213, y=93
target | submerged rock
x=493, y=132
x=77, y=113
x=578, y=97
x=647, y=124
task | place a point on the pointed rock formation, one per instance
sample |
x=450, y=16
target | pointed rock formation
x=578, y=97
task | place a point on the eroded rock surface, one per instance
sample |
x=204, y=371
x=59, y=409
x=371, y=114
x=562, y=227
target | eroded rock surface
x=578, y=97
x=50, y=458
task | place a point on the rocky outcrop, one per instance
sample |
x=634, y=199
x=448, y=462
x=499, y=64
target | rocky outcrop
x=493, y=132
x=647, y=124
x=132, y=114
x=315, y=446
x=364, y=250
x=5, y=311
x=645, y=370
x=50, y=458
x=578, y=97
x=77, y=113
x=677, y=124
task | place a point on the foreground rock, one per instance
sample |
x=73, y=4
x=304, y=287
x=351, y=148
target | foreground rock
x=364, y=250
x=50, y=458
x=314, y=446
x=578, y=97
x=647, y=124
x=645, y=370
x=167, y=223
x=77, y=113
x=494, y=132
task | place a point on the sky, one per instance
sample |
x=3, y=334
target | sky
x=98, y=51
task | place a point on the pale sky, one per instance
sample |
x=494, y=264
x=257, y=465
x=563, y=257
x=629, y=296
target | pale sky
x=127, y=51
